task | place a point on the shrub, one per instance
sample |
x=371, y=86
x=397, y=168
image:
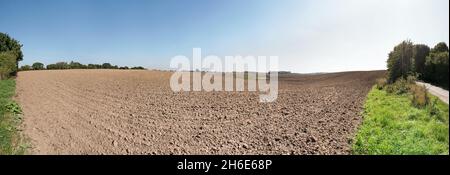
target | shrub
x=433, y=109
x=381, y=83
x=420, y=96
x=13, y=47
x=25, y=68
x=7, y=64
x=401, y=86
x=411, y=79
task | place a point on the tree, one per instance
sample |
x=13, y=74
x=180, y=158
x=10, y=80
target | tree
x=51, y=66
x=420, y=54
x=106, y=66
x=13, y=47
x=138, y=68
x=440, y=47
x=77, y=65
x=7, y=64
x=37, y=66
x=62, y=65
x=25, y=68
x=400, y=61
x=436, y=66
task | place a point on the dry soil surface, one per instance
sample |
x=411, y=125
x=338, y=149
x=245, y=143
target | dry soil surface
x=135, y=112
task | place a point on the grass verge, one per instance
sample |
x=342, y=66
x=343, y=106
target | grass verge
x=393, y=126
x=11, y=141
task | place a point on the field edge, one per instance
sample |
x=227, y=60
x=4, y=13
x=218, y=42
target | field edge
x=393, y=126
x=12, y=141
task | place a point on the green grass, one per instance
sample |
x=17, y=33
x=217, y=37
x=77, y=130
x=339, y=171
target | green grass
x=393, y=126
x=10, y=140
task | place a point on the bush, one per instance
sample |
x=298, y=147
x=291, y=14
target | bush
x=25, y=68
x=13, y=48
x=401, y=86
x=420, y=97
x=433, y=108
x=381, y=83
x=7, y=64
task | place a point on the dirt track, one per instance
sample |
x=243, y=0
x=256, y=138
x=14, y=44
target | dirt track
x=135, y=112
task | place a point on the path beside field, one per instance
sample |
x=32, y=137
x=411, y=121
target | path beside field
x=136, y=112
x=437, y=91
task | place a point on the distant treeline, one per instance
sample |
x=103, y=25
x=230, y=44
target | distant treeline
x=419, y=60
x=73, y=65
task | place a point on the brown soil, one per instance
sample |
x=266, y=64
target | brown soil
x=135, y=112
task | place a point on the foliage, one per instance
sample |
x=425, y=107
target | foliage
x=13, y=108
x=429, y=65
x=440, y=47
x=25, y=68
x=400, y=61
x=138, y=68
x=37, y=66
x=13, y=48
x=420, y=54
x=7, y=64
x=399, y=87
x=77, y=65
x=436, y=67
x=11, y=142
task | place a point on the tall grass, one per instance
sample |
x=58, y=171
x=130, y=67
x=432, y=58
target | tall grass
x=394, y=125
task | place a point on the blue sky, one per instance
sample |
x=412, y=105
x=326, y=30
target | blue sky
x=307, y=35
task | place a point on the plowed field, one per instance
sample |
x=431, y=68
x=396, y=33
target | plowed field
x=136, y=112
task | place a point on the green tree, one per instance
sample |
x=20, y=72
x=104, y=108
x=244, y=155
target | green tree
x=77, y=65
x=25, y=68
x=107, y=66
x=400, y=61
x=436, y=66
x=138, y=68
x=420, y=54
x=440, y=47
x=13, y=47
x=51, y=66
x=62, y=65
x=37, y=66
x=7, y=64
